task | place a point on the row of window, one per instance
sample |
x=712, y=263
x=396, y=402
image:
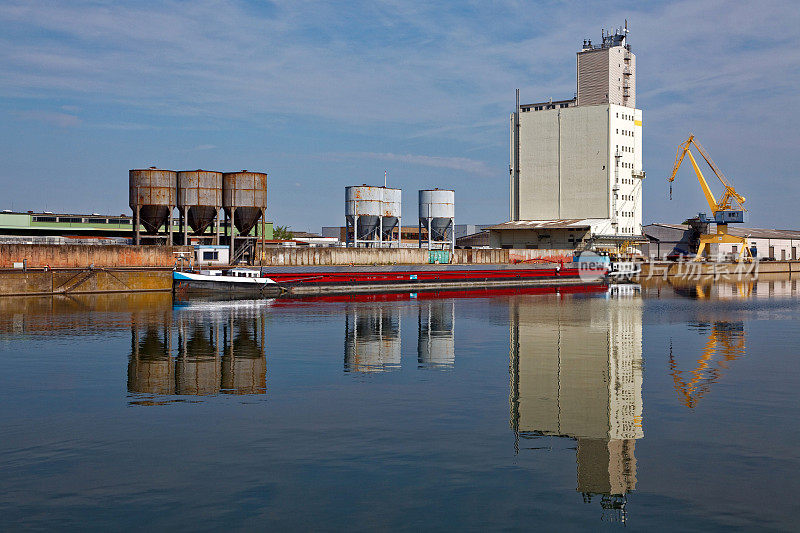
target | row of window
x=626, y=165
x=628, y=149
x=626, y=181
x=626, y=116
x=79, y=220
x=626, y=214
x=627, y=133
x=543, y=107
x=626, y=196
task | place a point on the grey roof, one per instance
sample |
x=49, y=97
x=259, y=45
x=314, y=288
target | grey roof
x=671, y=232
x=566, y=223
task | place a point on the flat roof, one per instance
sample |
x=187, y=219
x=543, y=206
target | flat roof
x=566, y=223
x=756, y=233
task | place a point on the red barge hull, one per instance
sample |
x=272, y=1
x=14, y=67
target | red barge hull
x=319, y=280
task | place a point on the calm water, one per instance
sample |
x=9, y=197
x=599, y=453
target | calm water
x=665, y=408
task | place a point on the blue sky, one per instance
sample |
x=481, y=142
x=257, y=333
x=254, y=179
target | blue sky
x=326, y=94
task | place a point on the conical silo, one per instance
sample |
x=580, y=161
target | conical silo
x=199, y=199
x=363, y=208
x=391, y=208
x=152, y=197
x=437, y=216
x=244, y=197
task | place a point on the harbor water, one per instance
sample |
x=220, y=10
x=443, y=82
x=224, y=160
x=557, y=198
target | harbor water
x=663, y=405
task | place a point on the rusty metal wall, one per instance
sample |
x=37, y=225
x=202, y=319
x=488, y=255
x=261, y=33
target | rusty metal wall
x=360, y=200
x=244, y=189
x=436, y=203
x=199, y=187
x=152, y=186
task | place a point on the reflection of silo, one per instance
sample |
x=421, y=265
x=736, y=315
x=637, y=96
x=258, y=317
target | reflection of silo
x=244, y=366
x=372, y=214
x=437, y=216
x=152, y=195
x=150, y=368
x=197, y=369
x=199, y=200
x=436, y=344
x=244, y=197
x=372, y=339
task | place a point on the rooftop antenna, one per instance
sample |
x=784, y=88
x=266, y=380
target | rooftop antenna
x=385, y=174
x=626, y=25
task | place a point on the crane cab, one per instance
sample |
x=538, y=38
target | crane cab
x=729, y=216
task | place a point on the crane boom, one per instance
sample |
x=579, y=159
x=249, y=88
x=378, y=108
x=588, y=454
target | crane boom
x=730, y=198
x=728, y=209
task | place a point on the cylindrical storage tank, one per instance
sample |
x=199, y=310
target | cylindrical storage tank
x=200, y=196
x=155, y=192
x=363, y=208
x=438, y=205
x=391, y=209
x=247, y=193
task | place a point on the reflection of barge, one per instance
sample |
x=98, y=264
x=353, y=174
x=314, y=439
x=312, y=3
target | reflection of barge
x=318, y=280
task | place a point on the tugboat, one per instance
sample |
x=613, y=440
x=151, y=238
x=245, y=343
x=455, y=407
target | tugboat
x=235, y=282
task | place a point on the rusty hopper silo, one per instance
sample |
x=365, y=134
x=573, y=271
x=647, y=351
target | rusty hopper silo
x=152, y=197
x=437, y=216
x=244, y=197
x=199, y=200
x=392, y=209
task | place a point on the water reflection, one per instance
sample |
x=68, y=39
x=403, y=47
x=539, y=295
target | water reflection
x=771, y=285
x=436, y=347
x=725, y=342
x=198, y=350
x=576, y=372
x=372, y=337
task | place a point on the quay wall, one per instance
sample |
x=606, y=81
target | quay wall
x=84, y=255
x=690, y=269
x=68, y=282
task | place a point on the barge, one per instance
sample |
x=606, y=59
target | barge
x=319, y=280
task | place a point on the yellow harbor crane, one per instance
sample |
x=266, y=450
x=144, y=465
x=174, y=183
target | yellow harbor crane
x=728, y=210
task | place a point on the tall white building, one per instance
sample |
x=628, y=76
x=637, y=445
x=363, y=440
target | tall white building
x=576, y=165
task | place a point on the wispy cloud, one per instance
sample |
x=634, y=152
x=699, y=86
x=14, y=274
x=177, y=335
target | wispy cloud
x=54, y=118
x=472, y=166
x=390, y=80
x=202, y=147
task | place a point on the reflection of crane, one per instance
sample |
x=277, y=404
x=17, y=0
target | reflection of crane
x=729, y=209
x=726, y=341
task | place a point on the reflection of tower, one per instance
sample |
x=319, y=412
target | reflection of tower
x=576, y=371
x=436, y=344
x=372, y=338
x=219, y=350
